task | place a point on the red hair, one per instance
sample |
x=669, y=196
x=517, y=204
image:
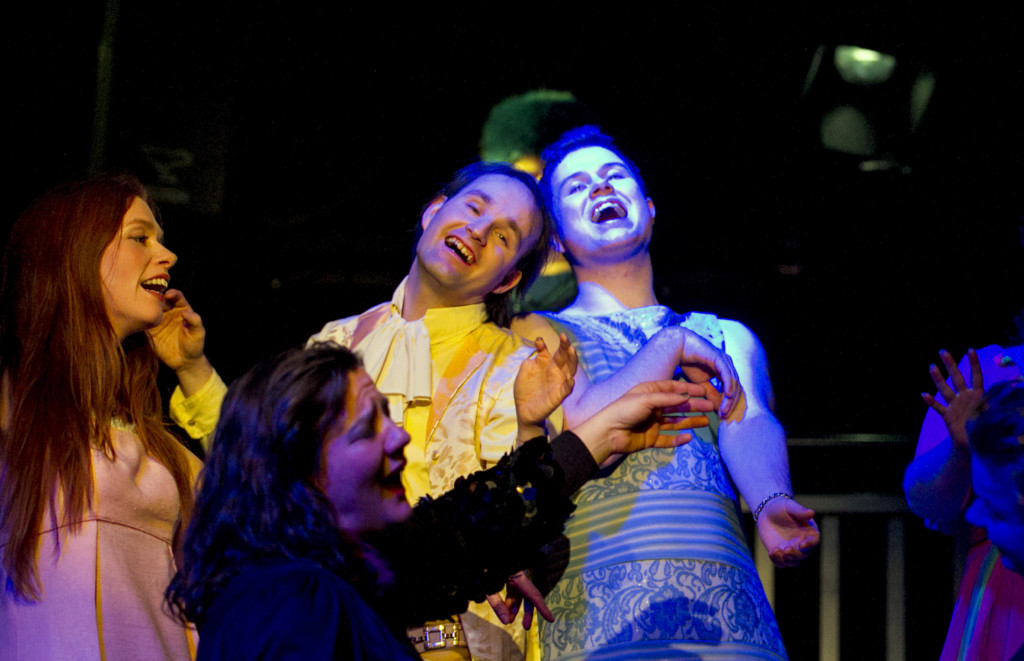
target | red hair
x=65, y=374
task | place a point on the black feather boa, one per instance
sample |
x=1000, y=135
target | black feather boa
x=464, y=545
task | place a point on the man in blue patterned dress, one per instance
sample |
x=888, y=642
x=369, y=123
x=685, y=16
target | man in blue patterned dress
x=658, y=564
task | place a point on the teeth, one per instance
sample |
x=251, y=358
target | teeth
x=461, y=249
x=156, y=284
x=605, y=206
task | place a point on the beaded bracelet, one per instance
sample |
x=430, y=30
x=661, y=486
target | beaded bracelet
x=777, y=494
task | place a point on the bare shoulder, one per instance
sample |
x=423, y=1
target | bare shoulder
x=531, y=326
x=748, y=356
x=741, y=342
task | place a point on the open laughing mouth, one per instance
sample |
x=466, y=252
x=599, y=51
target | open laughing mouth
x=460, y=249
x=607, y=211
x=392, y=483
x=157, y=285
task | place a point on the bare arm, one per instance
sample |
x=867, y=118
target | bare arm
x=752, y=425
x=753, y=447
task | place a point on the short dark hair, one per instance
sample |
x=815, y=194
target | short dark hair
x=530, y=264
x=574, y=140
x=996, y=434
x=259, y=496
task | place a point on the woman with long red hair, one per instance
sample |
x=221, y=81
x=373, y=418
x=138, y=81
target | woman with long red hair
x=93, y=490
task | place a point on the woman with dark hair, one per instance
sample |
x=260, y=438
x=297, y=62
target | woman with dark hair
x=93, y=490
x=303, y=545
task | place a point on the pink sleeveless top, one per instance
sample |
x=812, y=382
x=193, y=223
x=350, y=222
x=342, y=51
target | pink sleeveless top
x=103, y=584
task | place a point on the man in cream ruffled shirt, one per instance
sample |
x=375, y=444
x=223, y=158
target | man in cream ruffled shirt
x=438, y=343
x=437, y=350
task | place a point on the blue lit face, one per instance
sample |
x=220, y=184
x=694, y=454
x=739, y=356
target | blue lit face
x=999, y=508
x=602, y=213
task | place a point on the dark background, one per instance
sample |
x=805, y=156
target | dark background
x=305, y=142
x=292, y=147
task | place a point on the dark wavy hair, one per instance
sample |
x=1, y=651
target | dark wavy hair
x=259, y=497
x=574, y=140
x=499, y=305
x=996, y=434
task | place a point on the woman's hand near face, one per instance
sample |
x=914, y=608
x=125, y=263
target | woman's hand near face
x=179, y=341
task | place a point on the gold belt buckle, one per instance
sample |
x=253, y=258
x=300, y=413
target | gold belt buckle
x=438, y=636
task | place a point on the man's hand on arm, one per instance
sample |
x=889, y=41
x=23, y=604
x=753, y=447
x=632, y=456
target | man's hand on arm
x=668, y=349
x=543, y=381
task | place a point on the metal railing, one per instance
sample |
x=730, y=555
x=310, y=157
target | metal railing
x=829, y=509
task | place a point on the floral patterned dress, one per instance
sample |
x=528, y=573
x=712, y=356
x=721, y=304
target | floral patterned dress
x=658, y=566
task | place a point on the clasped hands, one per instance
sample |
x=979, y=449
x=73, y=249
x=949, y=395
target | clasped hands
x=699, y=361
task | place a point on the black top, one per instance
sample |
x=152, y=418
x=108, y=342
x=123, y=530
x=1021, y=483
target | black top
x=295, y=610
x=458, y=547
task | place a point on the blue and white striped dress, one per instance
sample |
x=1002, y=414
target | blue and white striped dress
x=659, y=566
